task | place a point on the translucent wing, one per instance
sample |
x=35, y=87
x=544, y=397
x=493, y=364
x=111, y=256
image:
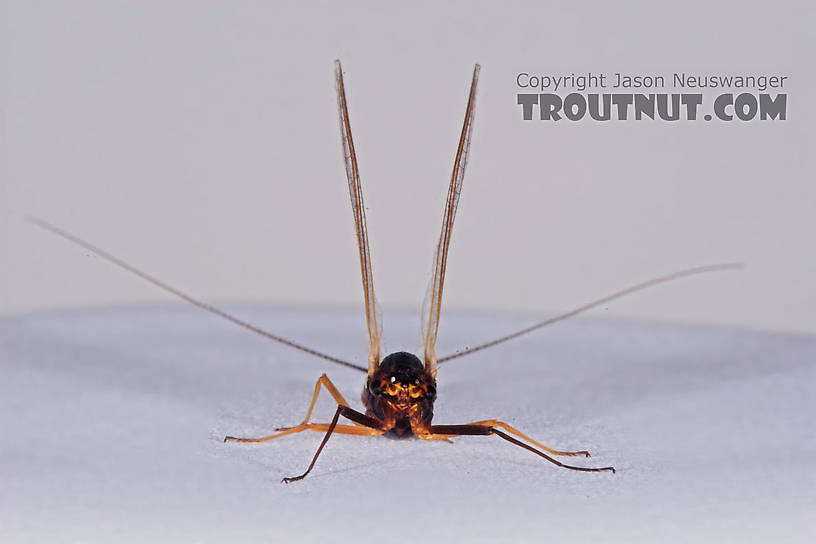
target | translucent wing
x=430, y=324
x=358, y=208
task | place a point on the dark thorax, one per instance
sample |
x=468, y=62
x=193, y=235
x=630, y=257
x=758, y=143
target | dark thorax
x=401, y=394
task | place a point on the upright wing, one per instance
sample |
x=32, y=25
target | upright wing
x=431, y=323
x=358, y=208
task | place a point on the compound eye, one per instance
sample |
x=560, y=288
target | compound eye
x=375, y=388
x=431, y=394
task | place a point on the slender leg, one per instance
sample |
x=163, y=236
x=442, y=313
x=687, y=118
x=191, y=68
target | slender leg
x=330, y=387
x=473, y=429
x=333, y=391
x=357, y=430
x=513, y=430
x=348, y=413
x=317, y=427
x=436, y=437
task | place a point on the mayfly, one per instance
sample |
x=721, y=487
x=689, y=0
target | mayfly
x=400, y=389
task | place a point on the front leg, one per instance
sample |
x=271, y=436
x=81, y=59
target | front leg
x=376, y=427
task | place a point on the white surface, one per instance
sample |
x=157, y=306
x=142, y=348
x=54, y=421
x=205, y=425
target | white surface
x=199, y=139
x=112, y=424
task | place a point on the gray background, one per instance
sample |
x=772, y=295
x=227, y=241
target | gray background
x=199, y=140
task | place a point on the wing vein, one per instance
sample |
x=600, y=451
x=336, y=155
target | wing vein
x=358, y=210
x=431, y=328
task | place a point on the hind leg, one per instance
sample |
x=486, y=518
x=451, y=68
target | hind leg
x=513, y=430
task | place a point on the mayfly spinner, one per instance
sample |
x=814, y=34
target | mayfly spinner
x=400, y=389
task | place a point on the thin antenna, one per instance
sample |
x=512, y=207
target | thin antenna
x=594, y=304
x=161, y=285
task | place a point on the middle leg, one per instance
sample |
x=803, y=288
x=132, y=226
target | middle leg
x=323, y=381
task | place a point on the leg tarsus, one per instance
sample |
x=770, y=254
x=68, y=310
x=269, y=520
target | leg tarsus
x=547, y=457
x=259, y=439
